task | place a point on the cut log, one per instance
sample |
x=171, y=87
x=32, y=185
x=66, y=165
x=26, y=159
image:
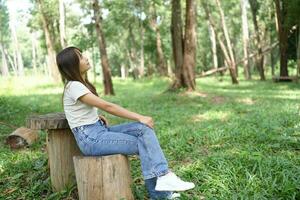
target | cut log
x=103, y=178
x=21, y=137
x=61, y=147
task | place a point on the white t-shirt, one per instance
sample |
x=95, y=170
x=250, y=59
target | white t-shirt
x=78, y=113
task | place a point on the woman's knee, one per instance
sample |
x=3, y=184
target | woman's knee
x=144, y=129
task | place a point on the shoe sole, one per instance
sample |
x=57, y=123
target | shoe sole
x=174, y=189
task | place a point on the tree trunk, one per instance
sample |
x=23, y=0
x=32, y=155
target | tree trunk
x=4, y=66
x=161, y=63
x=62, y=31
x=142, y=65
x=298, y=51
x=231, y=64
x=50, y=45
x=212, y=36
x=259, y=61
x=123, y=71
x=108, y=86
x=16, y=47
x=227, y=39
x=189, y=56
x=11, y=62
x=247, y=72
x=283, y=39
x=33, y=42
x=177, y=44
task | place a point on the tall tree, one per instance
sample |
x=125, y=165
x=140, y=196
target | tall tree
x=107, y=81
x=227, y=39
x=282, y=36
x=177, y=44
x=184, y=50
x=49, y=43
x=212, y=37
x=298, y=51
x=16, y=46
x=34, y=55
x=260, y=57
x=4, y=32
x=62, y=31
x=225, y=50
x=189, y=56
x=287, y=17
x=142, y=60
x=161, y=63
x=247, y=72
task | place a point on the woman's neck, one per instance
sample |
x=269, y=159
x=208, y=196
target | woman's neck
x=83, y=76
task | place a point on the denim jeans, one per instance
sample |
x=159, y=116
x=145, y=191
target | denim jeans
x=132, y=138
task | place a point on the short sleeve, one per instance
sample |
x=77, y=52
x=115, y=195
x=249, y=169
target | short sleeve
x=77, y=89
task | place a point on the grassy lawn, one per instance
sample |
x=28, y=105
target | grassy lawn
x=233, y=141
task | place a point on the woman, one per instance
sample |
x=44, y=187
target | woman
x=94, y=136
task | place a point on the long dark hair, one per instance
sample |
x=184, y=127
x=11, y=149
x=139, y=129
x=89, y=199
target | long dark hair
x=68, y=64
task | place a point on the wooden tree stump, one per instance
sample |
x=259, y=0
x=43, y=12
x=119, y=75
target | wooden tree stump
x=103, y=178
x=61, y=147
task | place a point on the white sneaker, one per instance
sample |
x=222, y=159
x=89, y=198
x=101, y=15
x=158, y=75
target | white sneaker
x=174, y=195
x=171, y=182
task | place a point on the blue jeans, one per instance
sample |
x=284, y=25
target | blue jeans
x=133, y=138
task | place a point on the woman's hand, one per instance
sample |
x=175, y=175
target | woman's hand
x=103, y=119
x=147, y=120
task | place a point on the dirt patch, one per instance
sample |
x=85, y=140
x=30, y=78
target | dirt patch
x=194, y=93
x=218, y=100
x=247, y=101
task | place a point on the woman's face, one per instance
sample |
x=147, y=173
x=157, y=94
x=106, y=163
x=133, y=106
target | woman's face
x=84, y=64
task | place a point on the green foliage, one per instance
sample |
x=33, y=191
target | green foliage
x=234, y=142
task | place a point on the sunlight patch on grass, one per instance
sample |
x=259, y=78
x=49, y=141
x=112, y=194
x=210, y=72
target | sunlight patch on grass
x=223, y=116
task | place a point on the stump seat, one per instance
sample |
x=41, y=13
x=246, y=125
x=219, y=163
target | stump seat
x=61, y=147
x=103, y=177
x=106, y=177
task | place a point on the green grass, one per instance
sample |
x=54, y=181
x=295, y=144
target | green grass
x=233, y=141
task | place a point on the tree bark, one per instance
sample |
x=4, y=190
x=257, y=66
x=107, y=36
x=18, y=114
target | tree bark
x=62, y=30
x=212, y=36
x=4, y=66
x=298, y=51
x=259, y=61
x=161, y=63
x=282, y=37
x=247, y=72
x=231, y=64
x=33, y=43
x=16, y=47
x=108, y=86
x=11, y=62
x=50, y=45
x=227, y=39
x=142, y=60
x=177, y=44
x=189, y=56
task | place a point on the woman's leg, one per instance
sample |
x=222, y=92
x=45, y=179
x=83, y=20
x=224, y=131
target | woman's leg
x=137, y=129
x=153, y=161
x=96, y=139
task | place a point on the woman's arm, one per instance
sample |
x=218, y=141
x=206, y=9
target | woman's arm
x=114, y=109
